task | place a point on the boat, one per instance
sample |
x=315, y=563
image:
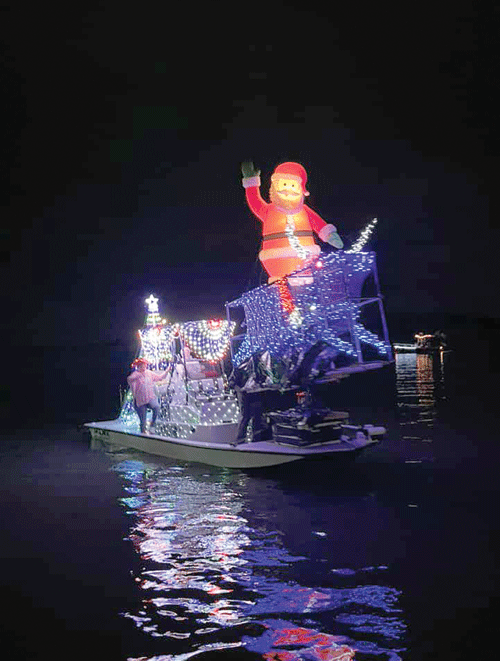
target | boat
x=424, y=343
x=277, y=343
x=404, y=347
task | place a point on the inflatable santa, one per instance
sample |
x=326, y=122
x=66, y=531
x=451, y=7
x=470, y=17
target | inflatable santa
x=288, y=225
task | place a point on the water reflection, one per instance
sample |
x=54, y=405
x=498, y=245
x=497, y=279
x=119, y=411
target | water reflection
x=212, y=580
x=420, y=383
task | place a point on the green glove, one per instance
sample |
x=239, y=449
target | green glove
x=248, y=170
x=335, y=240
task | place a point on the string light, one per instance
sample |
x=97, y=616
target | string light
x=286, y=299
x=153, y=317
x=284, y=318
x=292, y=238
x=363, y=238
x=156, y=343
x=208, y=340
x=295, y=318
x=329, y=310
x=185, y=404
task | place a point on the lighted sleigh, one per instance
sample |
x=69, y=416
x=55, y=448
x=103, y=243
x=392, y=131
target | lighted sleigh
x=318, y=329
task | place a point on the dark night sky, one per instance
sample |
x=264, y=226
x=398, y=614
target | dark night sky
x=126, y=129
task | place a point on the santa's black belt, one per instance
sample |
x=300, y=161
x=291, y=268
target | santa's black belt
x=284, y=235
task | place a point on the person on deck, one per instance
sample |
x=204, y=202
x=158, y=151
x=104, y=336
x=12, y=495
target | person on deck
x=141, y=384
x=244, y=381
x=251, y=411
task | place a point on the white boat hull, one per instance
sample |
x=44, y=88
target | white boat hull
x=405, y=348
x=212, y=445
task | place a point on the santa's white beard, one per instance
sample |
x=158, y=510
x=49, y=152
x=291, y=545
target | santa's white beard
x=286, y=204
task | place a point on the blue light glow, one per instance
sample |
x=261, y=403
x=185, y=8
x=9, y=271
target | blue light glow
x=326, y=310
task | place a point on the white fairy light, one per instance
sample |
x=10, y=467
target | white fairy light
x=293, y=240
x=324, y=312
x=364, y=237
x=208, y=339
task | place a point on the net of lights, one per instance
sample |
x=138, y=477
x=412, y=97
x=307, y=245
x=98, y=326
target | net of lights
x=325, y=313
x=370, y=338
x=216, y=412
x=363, y=238
x=156, y=343
x=336, y=342
x=208, y=339
x=153, y=319
x=348, y=261
x=127, y=413
x=279, y=344
x=279, y=338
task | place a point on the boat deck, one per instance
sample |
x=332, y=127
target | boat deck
x=220, y=453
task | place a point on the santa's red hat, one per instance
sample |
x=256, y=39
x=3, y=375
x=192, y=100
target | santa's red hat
x=293, y=171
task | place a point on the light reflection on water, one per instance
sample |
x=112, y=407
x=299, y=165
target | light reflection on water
x=420, y=384
x=213, y=581
x=420, y=391
x=218, y=570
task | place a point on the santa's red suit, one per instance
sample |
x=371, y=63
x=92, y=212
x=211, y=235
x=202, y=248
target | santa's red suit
x=288, y=225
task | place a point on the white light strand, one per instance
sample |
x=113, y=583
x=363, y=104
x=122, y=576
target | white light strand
x=156, y=343
x=364, y=237
x=208, y=340
x=324, y=312
x=293, y=240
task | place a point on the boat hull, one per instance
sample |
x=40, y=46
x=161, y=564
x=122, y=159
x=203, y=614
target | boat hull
x=404, y=348
x=222, y=453
x=418, y=350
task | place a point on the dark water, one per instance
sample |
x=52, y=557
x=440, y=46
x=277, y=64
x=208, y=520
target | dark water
x=127, y=556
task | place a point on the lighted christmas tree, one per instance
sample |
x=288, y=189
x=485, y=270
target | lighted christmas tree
x=157, y=336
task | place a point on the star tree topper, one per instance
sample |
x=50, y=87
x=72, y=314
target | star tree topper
x=152, y=303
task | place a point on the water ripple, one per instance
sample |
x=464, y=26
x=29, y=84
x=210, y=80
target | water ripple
x=212, y=581
x=420, y=382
